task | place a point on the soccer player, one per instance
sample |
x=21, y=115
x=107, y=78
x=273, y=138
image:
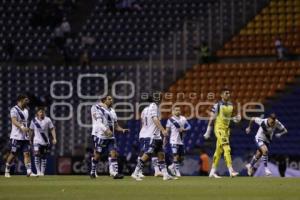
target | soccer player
x=177, y=125
x=20, y=135
x=154, y=159
x=40, y=126
x=153, y=143
x=263, y=139
x=221, y=114
x=105, y=123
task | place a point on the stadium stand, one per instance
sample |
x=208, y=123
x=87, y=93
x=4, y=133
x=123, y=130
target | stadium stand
x=279, y=19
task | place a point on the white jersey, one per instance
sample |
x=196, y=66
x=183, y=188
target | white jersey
x=174, y=124
x=41, y=129
x=265, y=132
x=103, y=119
x=149, y=129
x=22, y=118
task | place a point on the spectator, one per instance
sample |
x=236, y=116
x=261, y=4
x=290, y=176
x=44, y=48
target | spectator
x=59, y=37
x=67, y=51
x=85, y=58
x=204, y=53
x=65, y=27
x=280, y=49
x=203, y=163
x=130, y=5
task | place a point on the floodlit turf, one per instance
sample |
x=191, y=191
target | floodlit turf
x=200, y=188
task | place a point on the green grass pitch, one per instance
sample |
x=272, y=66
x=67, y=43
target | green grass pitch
x=152, y=188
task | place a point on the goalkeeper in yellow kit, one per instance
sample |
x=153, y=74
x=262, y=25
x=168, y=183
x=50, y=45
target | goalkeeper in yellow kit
x=221, y=113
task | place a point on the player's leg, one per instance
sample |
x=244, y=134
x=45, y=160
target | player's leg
x=255, y=158
x=265, y=152
x=228, y=160
x=174, y=149
x=44, y=153
x=113, y=165
x=217, y=155
x=159, y=151
x=13, y=151
x=142, y=151
x=227, y=151
x=27, y=157
x=180, y=158
x=251, y=167
x=96, y=157
x=174, y=167
x=37, y=158
x=155, y=166
x=143, y=159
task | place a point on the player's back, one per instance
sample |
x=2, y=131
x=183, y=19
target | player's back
x=149, y=129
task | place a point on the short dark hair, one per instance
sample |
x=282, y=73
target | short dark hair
x=21, y=97
x=225, y=89
x=104, y=98
x=273, y=116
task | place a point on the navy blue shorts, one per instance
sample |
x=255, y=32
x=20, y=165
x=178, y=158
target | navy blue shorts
x=104, y=145
x=151, y=146
x=177, y=149
x=19, y=146
x=41, y=149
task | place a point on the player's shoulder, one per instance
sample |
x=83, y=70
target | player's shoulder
x=182, y=117
x=48, y=119
x=112, y=110
x=278, y=122
x=14, y=108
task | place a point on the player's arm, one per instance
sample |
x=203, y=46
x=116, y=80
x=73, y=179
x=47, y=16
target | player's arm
x=15, y=122
x=187, y=126
x=120, y=129
x=253, y=119
x=159, y=126
x=53, y=133
x=282, y=129
x=237, y=118
x=212, y=116
x=31, y=131
x=209, y=125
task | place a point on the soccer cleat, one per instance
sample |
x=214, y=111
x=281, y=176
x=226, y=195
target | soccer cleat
x=93, y=176
x=32, y=175
x=172, y=170
x=136, y=177
x=7, y=175
x=169, y=177
x=141, y=175
x=41, y=174
x=214, y=175
x=268, y=172
x=158, y=174
x=250, y=170
x=233, y=174
x=177, y=172
x=118, y=176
